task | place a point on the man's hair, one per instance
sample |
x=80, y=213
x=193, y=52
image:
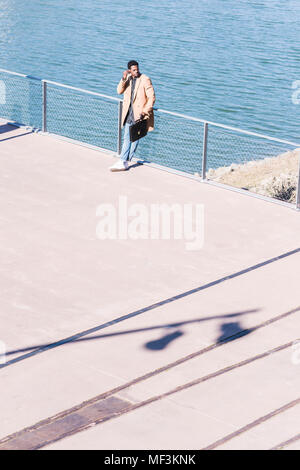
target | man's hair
x=131, y=63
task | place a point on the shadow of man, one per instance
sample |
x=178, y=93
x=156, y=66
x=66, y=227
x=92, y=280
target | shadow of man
x=162, y=343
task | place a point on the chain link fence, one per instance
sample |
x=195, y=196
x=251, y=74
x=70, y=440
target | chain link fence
x=175, y=143
x=82, y=116
x=218, y=154
x=21, y=98
x=253, y=163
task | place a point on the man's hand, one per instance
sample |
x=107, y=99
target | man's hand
x=142, y=115
x=125, y=74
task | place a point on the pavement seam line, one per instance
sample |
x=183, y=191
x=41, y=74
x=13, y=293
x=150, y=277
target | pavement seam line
x=155, y=372
x=253, y=424
x=146, y=309
x=284, y=444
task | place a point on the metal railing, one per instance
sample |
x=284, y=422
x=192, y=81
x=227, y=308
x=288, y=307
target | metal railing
x=219, y=154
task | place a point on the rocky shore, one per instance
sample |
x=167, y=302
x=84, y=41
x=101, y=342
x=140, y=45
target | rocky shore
x=274, y=176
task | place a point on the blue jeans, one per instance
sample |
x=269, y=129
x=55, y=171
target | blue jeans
x=128, y=147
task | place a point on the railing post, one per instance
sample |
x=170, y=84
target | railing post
x=204, y=154
x=120, y=127
x=44, y=84
x=298, y=188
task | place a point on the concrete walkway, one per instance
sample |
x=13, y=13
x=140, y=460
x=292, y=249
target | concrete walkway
x=59, y=279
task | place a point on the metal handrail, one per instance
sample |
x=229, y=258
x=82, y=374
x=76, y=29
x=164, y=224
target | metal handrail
x=62, y=85
x=224, y=126
x=18, y=74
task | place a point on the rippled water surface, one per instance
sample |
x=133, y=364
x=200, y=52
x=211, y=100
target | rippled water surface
x=229, y=61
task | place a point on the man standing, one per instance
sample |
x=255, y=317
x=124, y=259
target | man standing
x=139, y=98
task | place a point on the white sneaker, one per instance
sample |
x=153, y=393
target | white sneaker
x=120, y=165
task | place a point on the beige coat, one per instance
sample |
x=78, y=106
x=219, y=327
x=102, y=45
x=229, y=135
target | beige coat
x=143, y=100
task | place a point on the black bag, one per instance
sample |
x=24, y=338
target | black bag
x=138, y=130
